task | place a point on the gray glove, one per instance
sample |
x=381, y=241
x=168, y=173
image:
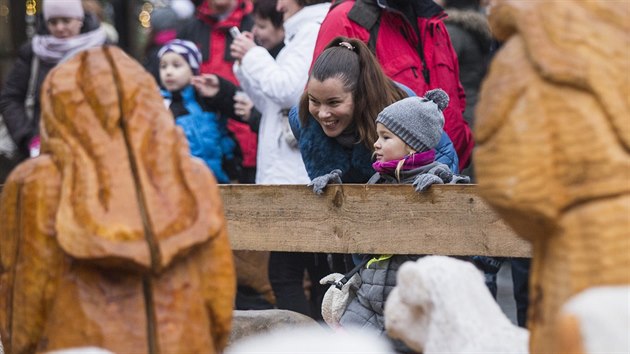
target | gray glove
x=442, y=171
x=457, y=179
x=422, y=182
x=319, y=183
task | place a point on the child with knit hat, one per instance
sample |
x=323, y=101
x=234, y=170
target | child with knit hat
x=408, y=132
x=201, y=105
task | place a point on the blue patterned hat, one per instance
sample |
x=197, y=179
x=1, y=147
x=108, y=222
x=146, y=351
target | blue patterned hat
x=187, y=49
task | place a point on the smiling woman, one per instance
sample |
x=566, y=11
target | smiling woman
x=336, y=127
x=331, y=105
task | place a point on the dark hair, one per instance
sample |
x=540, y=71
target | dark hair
x=362, y=75
x=266, y=9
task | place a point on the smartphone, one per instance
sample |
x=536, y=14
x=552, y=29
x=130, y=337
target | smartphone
x=235, y=32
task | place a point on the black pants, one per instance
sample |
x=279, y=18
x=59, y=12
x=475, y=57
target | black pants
x=520, y=280
x=7, y=165
x=286, y=274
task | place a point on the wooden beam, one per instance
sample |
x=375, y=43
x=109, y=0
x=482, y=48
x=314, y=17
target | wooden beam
x=356, y=218
x=379, y=219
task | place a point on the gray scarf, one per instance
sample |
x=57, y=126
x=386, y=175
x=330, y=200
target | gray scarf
x=51, y=49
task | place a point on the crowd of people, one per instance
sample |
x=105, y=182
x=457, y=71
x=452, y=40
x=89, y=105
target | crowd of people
x=296, y=92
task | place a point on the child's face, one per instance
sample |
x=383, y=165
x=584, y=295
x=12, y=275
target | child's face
x=389, y=146
x=266, y=34
x=175, y=73
x=330, y=104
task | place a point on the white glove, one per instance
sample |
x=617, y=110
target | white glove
x=336, y=300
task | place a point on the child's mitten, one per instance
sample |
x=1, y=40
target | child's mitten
x=442, y=171
x=463, y=179
x=422, y=182
x=319, y=183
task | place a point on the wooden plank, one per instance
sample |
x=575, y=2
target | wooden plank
x=356, y=218
x=381, y=219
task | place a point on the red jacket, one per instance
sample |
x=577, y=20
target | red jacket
x=213, y=39
x=396, y=44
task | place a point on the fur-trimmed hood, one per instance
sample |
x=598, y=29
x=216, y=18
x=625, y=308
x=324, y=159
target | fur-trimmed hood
x=473, y=22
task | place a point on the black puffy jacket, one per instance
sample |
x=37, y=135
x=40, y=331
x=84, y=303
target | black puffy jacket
x=15, y=89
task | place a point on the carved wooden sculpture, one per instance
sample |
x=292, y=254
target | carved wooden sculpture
x=114, y=237
x=553, y=154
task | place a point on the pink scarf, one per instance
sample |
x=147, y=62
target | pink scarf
x=412, y=161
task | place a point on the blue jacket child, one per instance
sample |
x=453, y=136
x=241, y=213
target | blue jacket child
x=200, y=105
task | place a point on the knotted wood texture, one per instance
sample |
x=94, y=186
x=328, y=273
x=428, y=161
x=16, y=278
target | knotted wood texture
x=114, y=237
x=374, y=219
x=553, y=145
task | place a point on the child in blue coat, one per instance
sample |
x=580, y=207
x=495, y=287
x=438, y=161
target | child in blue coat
x=200, y=105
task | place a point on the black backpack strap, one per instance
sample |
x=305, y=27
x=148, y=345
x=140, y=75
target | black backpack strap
x=335, y=3
x=373, y=35
x=367, y=14
x=341, y=282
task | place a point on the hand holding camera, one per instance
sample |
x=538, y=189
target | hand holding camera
x=241, y=44
x=235, y=32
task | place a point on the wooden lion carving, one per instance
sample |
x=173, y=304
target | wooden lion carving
x=114, y=237
x=553, y=153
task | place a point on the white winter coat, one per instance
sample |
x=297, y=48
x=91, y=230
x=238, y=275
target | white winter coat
x=277, y=84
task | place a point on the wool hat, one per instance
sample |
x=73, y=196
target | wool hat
x=62, y=8
x=418, y=121
x=186, y=49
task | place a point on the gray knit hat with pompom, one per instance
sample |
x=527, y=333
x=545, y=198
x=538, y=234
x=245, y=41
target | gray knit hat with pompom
x=418, y=121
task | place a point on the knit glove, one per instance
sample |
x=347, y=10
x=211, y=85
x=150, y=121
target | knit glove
x=422, y=182
x=457, y=179
x=336, y=300
x=443, y=172
x=439, y=174
x=319, y=183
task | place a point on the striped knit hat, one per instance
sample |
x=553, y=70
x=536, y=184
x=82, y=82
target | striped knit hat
x=418, y=121
x=187, y=49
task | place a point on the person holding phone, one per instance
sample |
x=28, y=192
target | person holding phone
x=275, y=85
